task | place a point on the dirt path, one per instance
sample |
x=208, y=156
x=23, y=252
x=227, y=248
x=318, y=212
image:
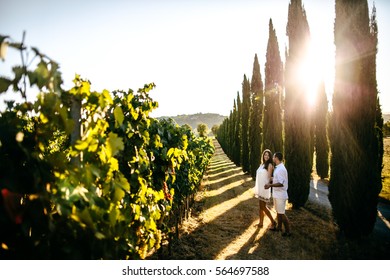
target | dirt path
x=223, y=224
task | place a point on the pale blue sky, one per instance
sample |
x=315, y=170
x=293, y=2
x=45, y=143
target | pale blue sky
x=196, y=52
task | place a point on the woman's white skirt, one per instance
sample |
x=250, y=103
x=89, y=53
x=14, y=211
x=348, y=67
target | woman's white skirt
x=261, y=180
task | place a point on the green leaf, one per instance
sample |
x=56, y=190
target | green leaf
x=93, y=145
x=4, y=84
x=19, y=71
x=43, y=118
x=85, y=87
x=119, y=117
x=136, y=211
x=119, y=193
x=157, y=141
x=114, y=212
x=134, y=114
x=2, y=38
x=81, y=145
x=86, y=218
x=42, y=74
x=36, y=51
x=105, y=99
x=33, y=77
x=99, y=235
x=170, y=152
x=115, y=144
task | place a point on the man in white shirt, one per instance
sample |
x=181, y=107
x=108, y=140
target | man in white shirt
x=279, y=188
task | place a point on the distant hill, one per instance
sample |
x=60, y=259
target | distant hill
x=215, y=119
x=386, y=117
x=193, y=120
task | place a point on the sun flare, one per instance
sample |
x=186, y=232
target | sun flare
x=315, y=67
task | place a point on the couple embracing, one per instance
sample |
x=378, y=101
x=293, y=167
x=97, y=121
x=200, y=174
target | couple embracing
x=267, y=177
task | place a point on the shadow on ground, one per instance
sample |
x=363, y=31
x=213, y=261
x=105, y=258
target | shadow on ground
x=223, y=226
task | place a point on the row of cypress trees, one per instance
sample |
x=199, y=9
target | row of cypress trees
x=274, y=115
x=255, y=122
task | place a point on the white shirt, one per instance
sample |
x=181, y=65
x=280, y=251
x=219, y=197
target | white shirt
x=280, y=176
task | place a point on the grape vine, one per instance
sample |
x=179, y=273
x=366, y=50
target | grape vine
x=115, y=191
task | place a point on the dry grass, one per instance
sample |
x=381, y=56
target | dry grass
x=385, y=193
x=223, y=226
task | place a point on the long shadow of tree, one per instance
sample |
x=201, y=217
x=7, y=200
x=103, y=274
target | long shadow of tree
x=229, y=193
x=222, y=225
x=208, y=239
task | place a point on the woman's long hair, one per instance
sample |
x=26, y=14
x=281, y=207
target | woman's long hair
x=269, y=161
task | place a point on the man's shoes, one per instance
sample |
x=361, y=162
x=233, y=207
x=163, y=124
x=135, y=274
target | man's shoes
x=274, y=227
x=286, y=234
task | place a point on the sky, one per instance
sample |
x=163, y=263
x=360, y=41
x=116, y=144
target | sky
x=196, y=52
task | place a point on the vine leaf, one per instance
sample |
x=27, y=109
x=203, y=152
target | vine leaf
x=4, y=84
x=115, y=143
x=119, y=117
x=42, y=74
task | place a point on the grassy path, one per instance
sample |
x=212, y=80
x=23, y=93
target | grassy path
x=223, y=225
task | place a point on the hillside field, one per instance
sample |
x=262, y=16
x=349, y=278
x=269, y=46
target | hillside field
x=193, y=120
x=385, y=193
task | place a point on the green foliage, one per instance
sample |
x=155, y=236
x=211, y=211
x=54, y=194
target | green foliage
x=108, y=194
x=237, y=135
x=386, y=129
x=321, y=133
x=193, y=120
x=179, y=161
x=379, y=145
x=224, y=135
x=256, y=117
x=229, y=133
x=356, y=142
x=273, y=96
x=45, y=75
x=298, y=146
x=202, y=130
x=214, y=129
x=246, y=105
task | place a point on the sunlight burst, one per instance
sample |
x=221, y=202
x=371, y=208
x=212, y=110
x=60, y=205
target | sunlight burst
x=316, y=66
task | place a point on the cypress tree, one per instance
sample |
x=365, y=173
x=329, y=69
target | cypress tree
x=321, y=133
x=297, y=119
x=221, y=134
x=256, y=113
x=237, y=131
x=246, y=105
x=355, y=142
x=378, y=113
x=232, y=132
x=379, y=123
x=272, y=123
x=229, y=135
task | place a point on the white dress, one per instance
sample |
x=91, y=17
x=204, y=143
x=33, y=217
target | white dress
x=261, y=180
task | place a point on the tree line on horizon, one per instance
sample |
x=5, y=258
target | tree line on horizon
x=347, y=140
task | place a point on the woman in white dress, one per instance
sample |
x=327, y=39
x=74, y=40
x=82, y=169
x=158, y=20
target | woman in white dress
x=263, y=177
